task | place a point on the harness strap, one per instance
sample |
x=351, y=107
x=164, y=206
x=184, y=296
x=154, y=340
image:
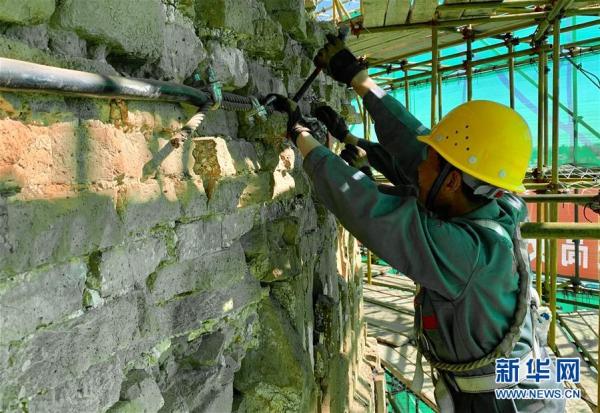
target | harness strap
x=508, y=342
x=487, y=382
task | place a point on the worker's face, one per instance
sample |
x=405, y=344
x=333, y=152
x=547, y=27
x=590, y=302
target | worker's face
x=428, y=170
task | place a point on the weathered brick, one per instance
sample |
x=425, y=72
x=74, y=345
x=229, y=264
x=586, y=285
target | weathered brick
x=134, y=28
x=198, y=238
x=124, y=267
x=40, y=297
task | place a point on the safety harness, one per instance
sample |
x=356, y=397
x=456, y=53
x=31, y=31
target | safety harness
x=486, y=382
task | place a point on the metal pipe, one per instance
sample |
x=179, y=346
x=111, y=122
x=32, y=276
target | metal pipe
x=545, y=117
x=559, y=230
x=440, y=106
x=489, y=5
x=548, y=186
x=31, y=77
x=487, y=60
x=511, y=75
x=406, y=90
x=552, y=16
x=434, y=74
x=459, y=22
x=541, y=103
x=538, y=253
x=468, y=66
x=561, y=198
x=555, y=135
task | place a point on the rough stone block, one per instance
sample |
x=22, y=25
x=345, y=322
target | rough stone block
x=229, y=65
x=184, y=314
x=284, y=184
x=122, y=268
x=210, y=271
x=291, y=14
x=198, y=238
x=212, y=158
x=42, y=231
x=146, y=204
x=132, y=28
x=237, y=224
x=181, y=51
x=268, y=39
x=33, y=36
x=139, y=393
x=55, y=357
x=192, y=197
x=263, y=81
x=66, y=43
x=261, y=380
x=230, y=14
x=107, y=153
x=26, y=11
x=93, y=391
x=40, y=297
x=219, y=123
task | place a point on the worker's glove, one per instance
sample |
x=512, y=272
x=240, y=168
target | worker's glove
x=337, y=61
x=296, y=123
x=333, y=121
x=357, y=157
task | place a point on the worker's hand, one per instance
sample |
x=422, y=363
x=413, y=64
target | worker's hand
x=296, y=123
x=337, y=61
x=357, y=157
x=333, y=121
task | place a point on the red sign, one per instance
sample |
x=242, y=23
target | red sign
x=589, y=250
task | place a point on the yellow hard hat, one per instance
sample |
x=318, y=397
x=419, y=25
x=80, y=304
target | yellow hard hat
x=485, y=139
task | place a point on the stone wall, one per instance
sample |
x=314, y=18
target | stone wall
x=139, y=278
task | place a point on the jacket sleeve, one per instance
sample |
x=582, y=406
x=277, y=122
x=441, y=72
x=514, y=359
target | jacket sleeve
x=438, y=254
x=397, y=130
x=384, y=162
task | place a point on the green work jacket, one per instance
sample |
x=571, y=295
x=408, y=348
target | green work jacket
x=467, y=270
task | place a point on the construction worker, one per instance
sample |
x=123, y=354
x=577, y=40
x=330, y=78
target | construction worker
x=454, y=230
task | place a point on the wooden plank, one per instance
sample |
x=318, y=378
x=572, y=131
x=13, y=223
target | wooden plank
x=389, y=338
x=588, y=377
x=585, y=338
x=374, y=12
x=422, y=11
x=397, y=12
x=388, y=319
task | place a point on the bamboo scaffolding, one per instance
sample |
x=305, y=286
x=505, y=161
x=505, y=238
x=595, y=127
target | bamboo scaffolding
x=479, y=49
x=560, y=198
x=434, y=74
x=559, y=230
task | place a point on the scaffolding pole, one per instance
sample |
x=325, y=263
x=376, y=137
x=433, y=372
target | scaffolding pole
x=367, y=136
x=434, y=74
x=468, y=35
x=511, y=74
x=559, y=230
x=561, y=198
x=406, y=90
x=555, y=136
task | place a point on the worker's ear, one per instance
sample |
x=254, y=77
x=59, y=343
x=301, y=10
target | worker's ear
x=453, y=181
